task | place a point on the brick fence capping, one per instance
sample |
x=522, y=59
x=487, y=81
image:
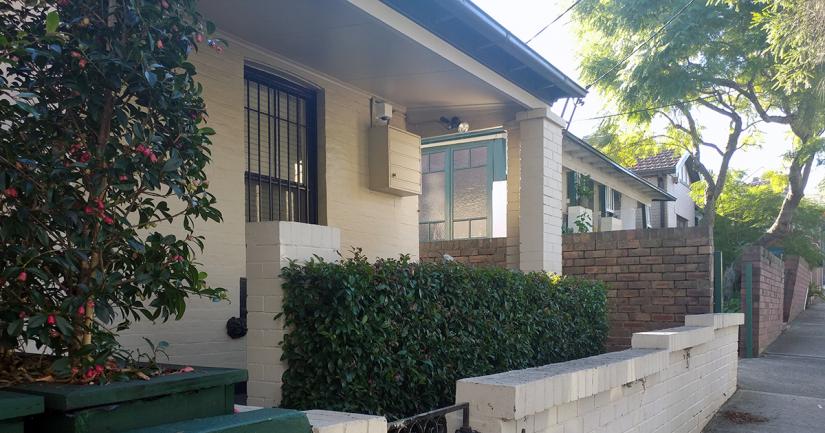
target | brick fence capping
x=654, y=276
x=671, y=380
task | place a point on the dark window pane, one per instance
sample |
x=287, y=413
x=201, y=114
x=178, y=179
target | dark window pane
x=461, y=158
x=437, y=161
x=478, y=156
x=280, y=150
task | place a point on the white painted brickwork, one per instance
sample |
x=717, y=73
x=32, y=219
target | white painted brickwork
x=541, y=191
x=269, y=246
x=671, y=381
x=327, y=421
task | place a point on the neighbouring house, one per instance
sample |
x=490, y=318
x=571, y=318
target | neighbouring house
x=465, y=195
x=601, y=195
x=672, y=173
x=319, y=110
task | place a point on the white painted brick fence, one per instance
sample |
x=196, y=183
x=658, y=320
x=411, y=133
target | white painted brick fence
x=671, y=381
x=269, y=247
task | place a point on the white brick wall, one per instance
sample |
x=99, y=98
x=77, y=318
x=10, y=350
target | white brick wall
x=327, y=421
x=541, y=191
x=270, y=245
x=382, y=224
x=200, y=337
x=670, y=381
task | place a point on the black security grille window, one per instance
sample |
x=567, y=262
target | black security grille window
x=281, y=150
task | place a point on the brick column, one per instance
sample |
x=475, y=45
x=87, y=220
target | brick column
x=541, y=191
x=269, y=246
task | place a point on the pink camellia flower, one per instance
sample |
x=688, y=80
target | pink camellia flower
x=54, y=333
x=108, y=220
x=90, y=304
x=199, y=37
x=89, y=210
x=10, y=192
x=82, y=63
x=159, y=44
x=21, y=315
x=84, y=157
x=99, y=203
x=81, y=311
x=177, y=258
x=98, y=369
x=123, y=178
x=140, y=148
x=51, y=320
x=153, y=158
x=22, y=276
x=76, y=54
x=90, y=373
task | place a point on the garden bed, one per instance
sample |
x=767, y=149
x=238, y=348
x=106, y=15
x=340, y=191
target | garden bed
x=122, y=406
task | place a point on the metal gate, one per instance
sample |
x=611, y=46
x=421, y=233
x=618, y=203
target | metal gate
x=434, y=421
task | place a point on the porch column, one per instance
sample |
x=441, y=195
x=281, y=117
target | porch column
x=541, y=191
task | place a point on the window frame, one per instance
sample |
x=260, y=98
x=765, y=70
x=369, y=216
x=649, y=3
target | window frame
x=449, y=222
x=309, y=205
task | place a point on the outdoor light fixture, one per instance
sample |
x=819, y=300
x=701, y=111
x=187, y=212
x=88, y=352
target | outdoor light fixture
x=455, y=123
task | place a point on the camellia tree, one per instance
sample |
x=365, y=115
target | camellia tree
x=102, y=158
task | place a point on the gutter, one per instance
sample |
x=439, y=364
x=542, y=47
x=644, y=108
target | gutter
x=616, y=166
x=467, y=11
x=494, y=35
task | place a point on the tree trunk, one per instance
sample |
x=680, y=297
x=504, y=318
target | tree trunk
x=798, y=174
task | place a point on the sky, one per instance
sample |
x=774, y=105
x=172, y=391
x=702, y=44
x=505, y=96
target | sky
x=559, y=45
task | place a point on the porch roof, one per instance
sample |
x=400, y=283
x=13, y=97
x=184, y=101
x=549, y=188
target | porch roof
x=419, y=55
x=468, y=28
x=580, y=150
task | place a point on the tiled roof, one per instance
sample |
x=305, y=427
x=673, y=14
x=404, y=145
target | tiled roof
x=664, y=162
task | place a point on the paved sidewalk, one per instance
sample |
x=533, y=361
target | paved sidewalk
x=785, y=387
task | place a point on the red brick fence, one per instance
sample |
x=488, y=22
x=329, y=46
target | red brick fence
x=480, y=252
x=779, y=292
x=655, y=277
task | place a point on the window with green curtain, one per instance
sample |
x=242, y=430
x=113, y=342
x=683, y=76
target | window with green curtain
x=457, y=196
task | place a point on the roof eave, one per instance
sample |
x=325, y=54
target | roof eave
x=556, y=85
x=663, y=195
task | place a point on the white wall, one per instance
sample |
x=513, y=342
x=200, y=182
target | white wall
x=684, y=205
x=670, y=381
x=270, y=245
x=383, y=225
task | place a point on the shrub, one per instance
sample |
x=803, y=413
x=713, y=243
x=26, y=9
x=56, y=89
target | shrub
x=392, y=337
x=102, y=139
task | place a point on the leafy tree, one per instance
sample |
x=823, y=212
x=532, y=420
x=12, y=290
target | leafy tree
x=796, y=34
x=666, y=60
x=747, y=208
x=102, y=158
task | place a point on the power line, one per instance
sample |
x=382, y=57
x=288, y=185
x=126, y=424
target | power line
x=646, y=41
x=675, y=104
x=554, y=21
x=644, y=110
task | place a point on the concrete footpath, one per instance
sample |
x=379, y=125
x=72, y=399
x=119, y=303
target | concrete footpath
x=783, y=391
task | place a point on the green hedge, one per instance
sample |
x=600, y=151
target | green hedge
x=392, y=337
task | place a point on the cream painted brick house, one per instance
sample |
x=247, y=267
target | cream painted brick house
x=295, y=169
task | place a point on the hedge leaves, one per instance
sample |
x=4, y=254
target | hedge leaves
x=391, y=338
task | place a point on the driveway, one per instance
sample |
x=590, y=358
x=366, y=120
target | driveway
x=783, y=391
